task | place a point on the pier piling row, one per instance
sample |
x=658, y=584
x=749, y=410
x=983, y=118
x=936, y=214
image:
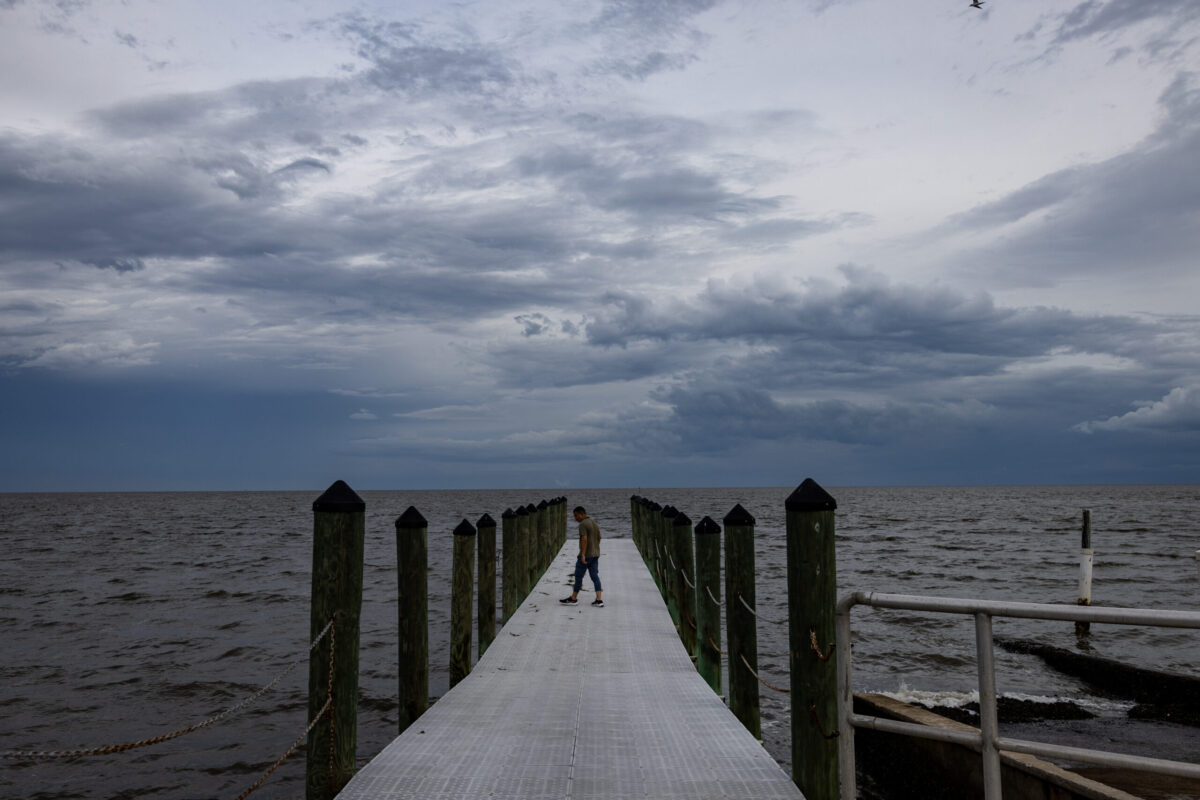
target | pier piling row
x=572, y=701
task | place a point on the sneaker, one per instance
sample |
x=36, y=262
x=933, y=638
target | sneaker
x=598, y=603
x=569, y=601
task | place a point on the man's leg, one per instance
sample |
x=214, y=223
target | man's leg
x=580, y=569
x=593, y=569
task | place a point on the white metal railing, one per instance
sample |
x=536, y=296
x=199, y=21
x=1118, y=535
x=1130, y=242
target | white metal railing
x=988, y=740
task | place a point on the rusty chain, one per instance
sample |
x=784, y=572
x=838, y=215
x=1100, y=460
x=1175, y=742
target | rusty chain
x=332, y=716
x=325, y=708
x=166, y=737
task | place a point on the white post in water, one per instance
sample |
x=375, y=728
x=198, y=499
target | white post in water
x=1085, y=570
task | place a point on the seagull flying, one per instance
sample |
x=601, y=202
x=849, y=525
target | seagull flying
x=976, y=3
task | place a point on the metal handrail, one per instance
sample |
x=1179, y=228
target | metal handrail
x=988, y=741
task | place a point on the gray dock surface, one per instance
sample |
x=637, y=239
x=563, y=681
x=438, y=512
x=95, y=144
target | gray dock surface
x=581, y=703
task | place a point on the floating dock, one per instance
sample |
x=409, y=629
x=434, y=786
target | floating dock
x=579, y=703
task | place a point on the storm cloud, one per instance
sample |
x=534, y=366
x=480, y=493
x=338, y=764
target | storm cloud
x=628, y=242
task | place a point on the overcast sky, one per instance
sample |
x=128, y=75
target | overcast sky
x=624, y=243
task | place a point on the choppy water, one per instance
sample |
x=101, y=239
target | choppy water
x=128, y=615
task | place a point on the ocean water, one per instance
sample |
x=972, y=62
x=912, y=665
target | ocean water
x=127, y=615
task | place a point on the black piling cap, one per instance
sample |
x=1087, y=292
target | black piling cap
x=809, y=496
x=464, y=529
x=669, y=511
x=542, y=506
x=738, y=516
x=485, y=522
x=681, y=520
x=339, y=497
x=653, y=506
x=508, y=514
x=411, y=519
x=707, y=525
x=531, y=508
x=522, y=511
x=633, y=498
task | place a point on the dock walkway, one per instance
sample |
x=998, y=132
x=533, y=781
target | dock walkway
x=579, y=703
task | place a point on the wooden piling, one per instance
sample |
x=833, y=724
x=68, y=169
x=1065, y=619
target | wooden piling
x=654, y=544
x=486, y=605
x=509, y=581
x=685, y=576
x=708, y=602
x=412, y=568
x=1086, y=556
x=462, y=587
x=543, y=535
x=812, y=597
x=521, y=566
x=337, y=579
x=740, y=621
x=532, y=551
x=560, y=523
x=666, y=523
x=634, y=527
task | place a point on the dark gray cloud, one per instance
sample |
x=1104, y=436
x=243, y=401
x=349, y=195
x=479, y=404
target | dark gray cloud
x=405, y=58
x=870, y=364
x=1101, y=18
x=1136, y=211
x=1160, y=27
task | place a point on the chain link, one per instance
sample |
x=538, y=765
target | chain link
x=332, y=715
x=325, y=708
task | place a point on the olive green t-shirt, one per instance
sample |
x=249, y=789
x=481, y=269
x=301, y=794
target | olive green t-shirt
x=589, y=528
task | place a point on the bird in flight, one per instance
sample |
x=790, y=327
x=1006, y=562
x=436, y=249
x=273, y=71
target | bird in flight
x=976, y=3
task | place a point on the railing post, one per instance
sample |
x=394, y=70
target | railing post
x=460, y=602
x=708, y=602
x=412, y=605
x=337, y=579
x=685, y=561
x=845, y=675
x=743, y=633
x=988, y=724
x=510, y=582
x=812, y=599
x=486, y=533
x=1086, y=556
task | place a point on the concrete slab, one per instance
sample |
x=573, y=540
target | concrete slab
x=579, y=703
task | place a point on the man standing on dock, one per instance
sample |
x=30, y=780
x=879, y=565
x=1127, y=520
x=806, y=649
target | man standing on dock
x=589, y=558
